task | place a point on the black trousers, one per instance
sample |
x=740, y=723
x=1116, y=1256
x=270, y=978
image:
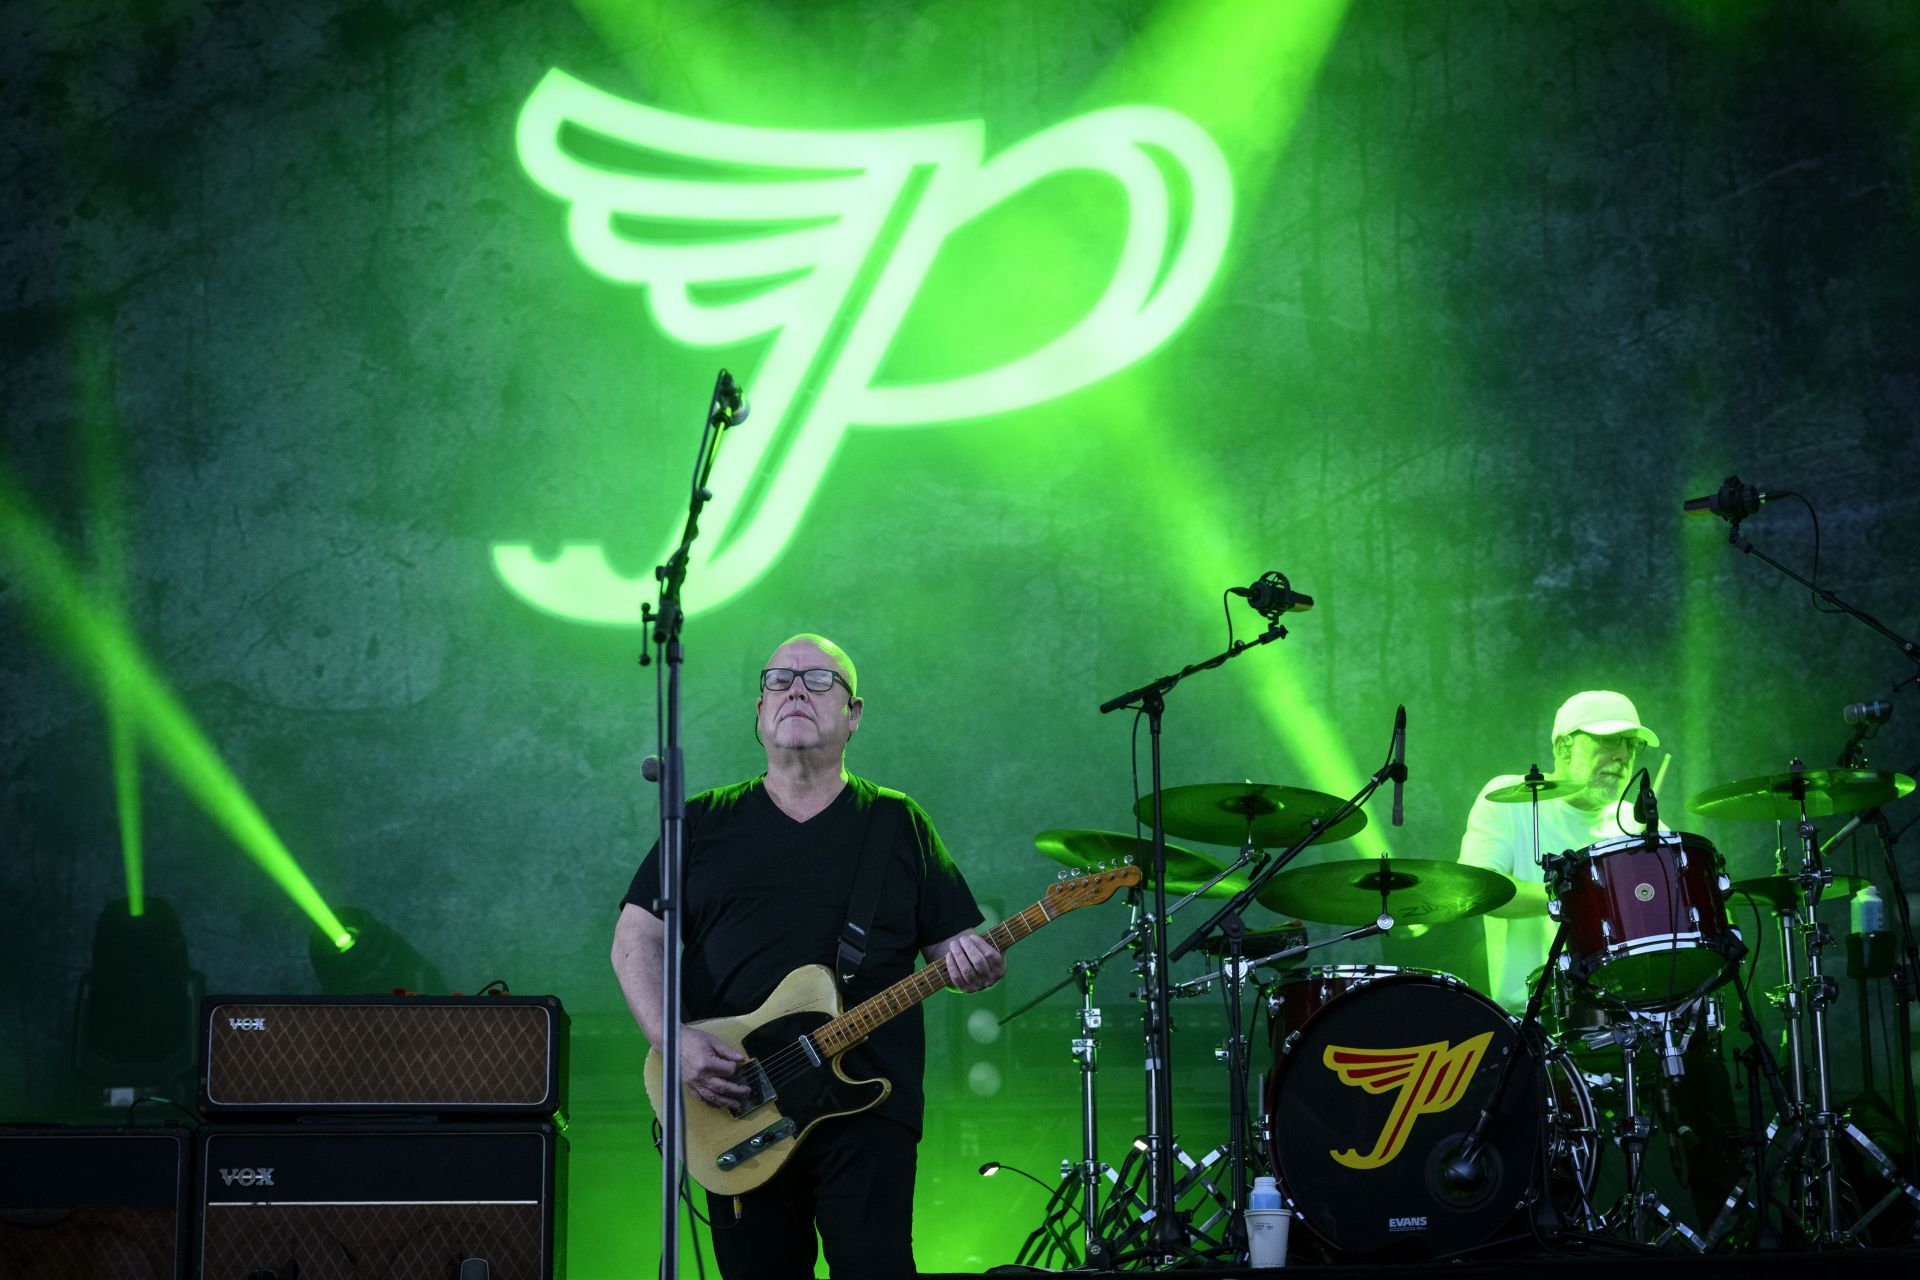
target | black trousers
x=852, y=1178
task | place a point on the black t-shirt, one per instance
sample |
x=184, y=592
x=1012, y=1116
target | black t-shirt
x=764, y=895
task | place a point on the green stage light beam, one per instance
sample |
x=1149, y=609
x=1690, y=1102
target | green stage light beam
x=106, y=517
x=98, y=647
x=1243, y=71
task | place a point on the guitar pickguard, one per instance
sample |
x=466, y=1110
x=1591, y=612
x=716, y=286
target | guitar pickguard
x=804, y=1088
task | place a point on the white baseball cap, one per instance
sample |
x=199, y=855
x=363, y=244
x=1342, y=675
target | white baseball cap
x=1601, y=712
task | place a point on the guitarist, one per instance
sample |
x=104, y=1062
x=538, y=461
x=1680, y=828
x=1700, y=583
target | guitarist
x=768, y=882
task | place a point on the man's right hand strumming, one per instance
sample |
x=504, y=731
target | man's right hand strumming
x=707, y=1064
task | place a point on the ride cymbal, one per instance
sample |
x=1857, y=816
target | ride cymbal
x=1232, y=813
x=1419, y=890
x=1774, y=797
x=1186, y=870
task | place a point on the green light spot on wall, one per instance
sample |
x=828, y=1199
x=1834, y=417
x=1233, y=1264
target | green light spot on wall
x=842, y=228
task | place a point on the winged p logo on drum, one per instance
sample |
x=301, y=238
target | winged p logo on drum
x=819, y=241
x=1431, y=1078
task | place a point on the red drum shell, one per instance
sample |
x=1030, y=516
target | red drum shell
x=1647, y=922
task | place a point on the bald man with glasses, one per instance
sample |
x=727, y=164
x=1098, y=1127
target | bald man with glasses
x=768, y=886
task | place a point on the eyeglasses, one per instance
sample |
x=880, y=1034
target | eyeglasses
x=817, y=679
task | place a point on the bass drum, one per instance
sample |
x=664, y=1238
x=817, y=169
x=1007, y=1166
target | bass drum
x=1369, y=1101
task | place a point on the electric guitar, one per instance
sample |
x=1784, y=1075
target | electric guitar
x=794, y=1042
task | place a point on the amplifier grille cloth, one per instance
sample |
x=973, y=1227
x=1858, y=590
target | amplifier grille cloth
x=98, y=1244
x=381, y=1053
x=371, y=1242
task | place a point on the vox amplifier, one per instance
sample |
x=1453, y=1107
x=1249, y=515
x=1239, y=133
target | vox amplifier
x=94, y=1204
x=330, y=1201
x=440, y=1055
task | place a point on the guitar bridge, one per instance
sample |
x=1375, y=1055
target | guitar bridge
x=760, y=1090
x=779, y=1131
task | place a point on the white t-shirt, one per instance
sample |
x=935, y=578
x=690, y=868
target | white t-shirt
x=1499, y=837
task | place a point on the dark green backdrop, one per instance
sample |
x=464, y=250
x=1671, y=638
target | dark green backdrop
x=1506, y=283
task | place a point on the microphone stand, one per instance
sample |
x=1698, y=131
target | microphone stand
x=1168, y=1235
x=667, y=620
x=1740, y=542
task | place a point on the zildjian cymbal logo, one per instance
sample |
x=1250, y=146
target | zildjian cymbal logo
x=821, y=240
x=1430, y=1079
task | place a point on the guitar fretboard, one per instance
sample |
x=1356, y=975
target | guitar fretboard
x=857, y=1023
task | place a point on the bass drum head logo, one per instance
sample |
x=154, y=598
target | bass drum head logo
x=1372, y=1097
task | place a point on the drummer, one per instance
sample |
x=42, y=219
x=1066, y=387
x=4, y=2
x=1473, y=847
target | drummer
x=1597, y=738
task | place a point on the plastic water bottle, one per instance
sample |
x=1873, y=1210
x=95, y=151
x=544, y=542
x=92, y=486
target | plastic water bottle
x=1267, y=1223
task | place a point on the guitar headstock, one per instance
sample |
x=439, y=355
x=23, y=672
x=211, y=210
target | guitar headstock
x=1089, y=889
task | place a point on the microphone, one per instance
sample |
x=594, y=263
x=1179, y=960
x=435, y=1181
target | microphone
x=1646, y=806
x=1879, y=711
x=1273, y=595
x=733, y=401
x=1399, y=765
x=1733, y=503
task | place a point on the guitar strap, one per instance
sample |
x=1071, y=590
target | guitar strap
x=867, y=880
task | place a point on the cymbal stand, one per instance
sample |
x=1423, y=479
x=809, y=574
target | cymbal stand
x=1078, y=1182
x=1818, y=990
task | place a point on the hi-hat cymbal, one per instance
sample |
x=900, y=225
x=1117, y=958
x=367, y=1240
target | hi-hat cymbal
x=1776, y=796
x=1419, y=890
x=1782, y=892
x=1220, y=813
x=1545, y=789
x=1186, y=870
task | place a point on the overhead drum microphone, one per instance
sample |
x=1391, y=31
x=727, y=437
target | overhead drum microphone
x=1273, y=595
x=731, y=400
x=1878, y=711
x=1733, y=503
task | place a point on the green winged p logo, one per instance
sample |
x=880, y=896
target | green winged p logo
x=821, y=240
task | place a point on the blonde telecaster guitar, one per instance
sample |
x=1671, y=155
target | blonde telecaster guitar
x=794, y=1042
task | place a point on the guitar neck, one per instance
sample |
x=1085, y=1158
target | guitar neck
x=857, y=1023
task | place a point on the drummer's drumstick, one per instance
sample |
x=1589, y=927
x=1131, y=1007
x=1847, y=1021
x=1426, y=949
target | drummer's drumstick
x=1660, y=777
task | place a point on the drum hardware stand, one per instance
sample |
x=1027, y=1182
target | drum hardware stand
x=1168, y=1234
x=1635, y=1129
x=1391, y=770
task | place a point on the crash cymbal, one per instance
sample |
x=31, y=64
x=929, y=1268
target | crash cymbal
x=1186, y=870
x=1419, y=890
x=1781, y=892
x=1775, y=796
x=1218, y=813
x=1522, y=792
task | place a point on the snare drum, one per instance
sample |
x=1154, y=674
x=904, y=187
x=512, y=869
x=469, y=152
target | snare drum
x=1646, y=920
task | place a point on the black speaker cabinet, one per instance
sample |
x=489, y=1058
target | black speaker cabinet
x=327, y=1202
x=94, y=1204
x=500, y=1056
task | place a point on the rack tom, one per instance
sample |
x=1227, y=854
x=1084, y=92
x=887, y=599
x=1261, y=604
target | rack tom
x=1646, y=920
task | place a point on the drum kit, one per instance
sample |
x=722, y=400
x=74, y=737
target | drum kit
x=1406, y=1115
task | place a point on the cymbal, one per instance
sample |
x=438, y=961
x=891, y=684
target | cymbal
x=1522, y=792
x=1186, y=870
x=1781, y=892
x=1774, y=796
x=1419, y=890
x=1218, y=813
